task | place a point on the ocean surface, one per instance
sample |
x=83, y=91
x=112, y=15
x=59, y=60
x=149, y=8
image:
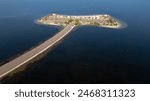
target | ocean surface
x=88, y=54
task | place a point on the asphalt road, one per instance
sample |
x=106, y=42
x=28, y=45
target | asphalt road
x=26, y=57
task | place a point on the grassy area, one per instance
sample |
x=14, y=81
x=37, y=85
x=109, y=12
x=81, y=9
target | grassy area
x=69, y=21
x=77, y=22
x=96, y=24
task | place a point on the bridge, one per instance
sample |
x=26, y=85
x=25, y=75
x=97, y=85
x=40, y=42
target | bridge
x=28, y=56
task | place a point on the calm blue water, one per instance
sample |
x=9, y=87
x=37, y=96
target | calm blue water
x=88, y=54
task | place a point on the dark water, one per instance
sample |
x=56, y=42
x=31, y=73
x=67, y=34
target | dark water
x=88, y=54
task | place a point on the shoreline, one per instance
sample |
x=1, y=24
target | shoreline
x=82, y=20
x=120, y=25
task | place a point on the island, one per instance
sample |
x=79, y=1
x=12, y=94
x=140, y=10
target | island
x=103, y=20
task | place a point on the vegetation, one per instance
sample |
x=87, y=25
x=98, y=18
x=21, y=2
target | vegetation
x=102, y=21
x=96, y=24
x=77, y=22
x=67, y=22
x=70, y=20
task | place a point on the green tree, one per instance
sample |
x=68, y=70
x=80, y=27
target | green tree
x=96, y=24
x=77, y=22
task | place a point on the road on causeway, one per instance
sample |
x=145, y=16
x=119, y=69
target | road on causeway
x=28, y=56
